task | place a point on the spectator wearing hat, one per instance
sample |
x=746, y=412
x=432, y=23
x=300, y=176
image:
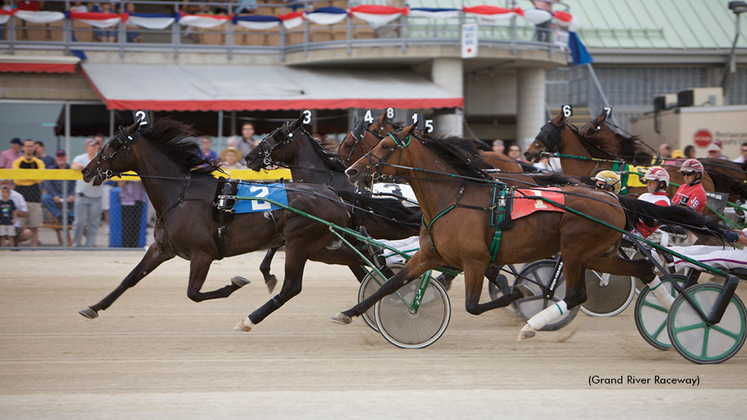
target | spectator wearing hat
x=230, y=158
x=721, y=148
x=30, y=189
x=715, y=152
x=54, y=197
x=87, y=199
x=677, y=154
x=14, y=152
x=41, y=152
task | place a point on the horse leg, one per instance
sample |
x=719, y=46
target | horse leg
x=270, y=280
x=199, y=265
x=473, y=280
x=155, y=255
x=414, y=268
x=295, y=261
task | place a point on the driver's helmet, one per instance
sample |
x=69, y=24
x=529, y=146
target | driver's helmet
x=657, y=173
x=611, y=181
x=692, y=165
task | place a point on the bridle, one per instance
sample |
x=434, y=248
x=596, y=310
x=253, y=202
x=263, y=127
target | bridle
x=121, y=142
x=379, y=163
x=359, y=136
x=274, y=140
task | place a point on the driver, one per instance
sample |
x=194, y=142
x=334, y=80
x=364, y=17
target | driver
x=607, y=181
x=657, y=182
x=691, y=194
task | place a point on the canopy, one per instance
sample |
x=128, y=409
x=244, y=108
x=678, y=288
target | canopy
x=260, y=88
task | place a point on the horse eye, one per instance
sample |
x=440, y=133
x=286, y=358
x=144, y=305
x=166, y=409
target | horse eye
x=384, y=146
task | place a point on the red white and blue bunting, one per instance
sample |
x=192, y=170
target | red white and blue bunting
x=373, y=14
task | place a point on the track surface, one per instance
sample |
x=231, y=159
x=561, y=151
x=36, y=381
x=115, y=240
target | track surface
x=156, y=354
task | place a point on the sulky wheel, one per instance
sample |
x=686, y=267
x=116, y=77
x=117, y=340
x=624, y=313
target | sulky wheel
x=408, y=330
x=696, y=341
x=369, y=286
x=651, y=316
x=541, y=273
x=607, y=294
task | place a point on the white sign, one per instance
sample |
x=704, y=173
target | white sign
x=469, y=40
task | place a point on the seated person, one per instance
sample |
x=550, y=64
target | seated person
x=230, y=158
x=657, y=182
x=691, y=194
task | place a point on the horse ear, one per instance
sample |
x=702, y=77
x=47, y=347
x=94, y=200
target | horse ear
x=407, y=131
x=382, y=120
x=131, y=129
x=600, y=119
x=360, y=129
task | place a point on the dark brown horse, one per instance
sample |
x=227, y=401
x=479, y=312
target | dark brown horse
x=359, y=141
x=584, y=156
x=727, y=176
x=455, y=195
x=182, y=189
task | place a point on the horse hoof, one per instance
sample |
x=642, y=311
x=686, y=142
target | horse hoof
x=244, y=325
x=341, y=319
x=524, y=290
x=271, y=283
x=89, y=313
x=526, y=333
x=240, y=281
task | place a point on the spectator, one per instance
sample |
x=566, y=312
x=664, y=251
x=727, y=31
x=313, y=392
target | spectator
x=665, y=151
x=10, y=155
x=132, y=36
x=79, y=7
x=32, y=6
x=41, y=152
x=246, y=142
x=743, y=156
x=22, y=234
x=542, y=31
x=30, y=189
x=514, y=152
x=230, y=157
x=54, y=196
x=498, y=146
x=205, y=148
x=715, y=152
x=232, y=141
x=721, y=149
x=677, y=154
x=132, y=197
x=8, y=215
x=87, y=199
x=691, y=194
x=108, y=34
x=689, y=152
x=245, y=6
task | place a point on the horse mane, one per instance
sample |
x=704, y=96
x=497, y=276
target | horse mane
x=177, y=141
x=457, y=152
x=330, y=160
x=629, y=149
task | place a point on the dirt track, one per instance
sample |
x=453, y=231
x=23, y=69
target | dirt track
x=156, y=354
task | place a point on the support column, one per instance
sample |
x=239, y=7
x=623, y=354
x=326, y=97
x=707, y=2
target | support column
x=530, y=105
x=448, y=73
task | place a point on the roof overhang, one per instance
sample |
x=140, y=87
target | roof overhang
x=37, y=64
x=260, y=88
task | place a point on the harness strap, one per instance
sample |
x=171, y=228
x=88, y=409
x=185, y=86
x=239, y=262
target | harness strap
x=502, y=203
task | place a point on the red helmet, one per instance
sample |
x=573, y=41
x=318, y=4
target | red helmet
x=658, y=174
x=692, y=165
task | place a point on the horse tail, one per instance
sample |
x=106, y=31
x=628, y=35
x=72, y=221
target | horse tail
x=652, y=215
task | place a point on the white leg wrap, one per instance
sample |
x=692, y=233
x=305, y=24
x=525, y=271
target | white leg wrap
x=548, y=315
x=664, y=297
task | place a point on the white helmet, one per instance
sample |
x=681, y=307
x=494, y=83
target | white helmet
x=657, y=173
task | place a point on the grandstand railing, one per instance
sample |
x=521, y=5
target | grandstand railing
x=72, y=35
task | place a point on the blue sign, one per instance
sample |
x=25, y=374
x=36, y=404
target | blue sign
x=275, y=192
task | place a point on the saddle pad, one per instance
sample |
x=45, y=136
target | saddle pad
x=526, y=206
x=275, y=192
x=634, y=181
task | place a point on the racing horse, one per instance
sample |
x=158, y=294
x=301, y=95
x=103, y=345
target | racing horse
x=456, y=196
x=293, y=147
x=584, y=156
x=727, y=176
x=360, y=139
x=180, y=184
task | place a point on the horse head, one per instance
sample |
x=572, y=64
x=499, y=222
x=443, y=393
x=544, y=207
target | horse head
x=373, y=165
x=596, y=126
x=549, y=139
x=114, y=158
x=275, y=147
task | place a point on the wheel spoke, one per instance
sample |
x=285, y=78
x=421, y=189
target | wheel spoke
x=704, y=351
x=678, y=330
x=726, y=332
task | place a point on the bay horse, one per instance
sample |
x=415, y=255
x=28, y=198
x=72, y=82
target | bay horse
x=291, y=146
x=456, y=196
x=180, y=184
x=727, y=176
x=358, y=141
x=584, y=156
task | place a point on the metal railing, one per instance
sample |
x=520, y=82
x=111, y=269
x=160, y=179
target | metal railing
x=69, y=35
